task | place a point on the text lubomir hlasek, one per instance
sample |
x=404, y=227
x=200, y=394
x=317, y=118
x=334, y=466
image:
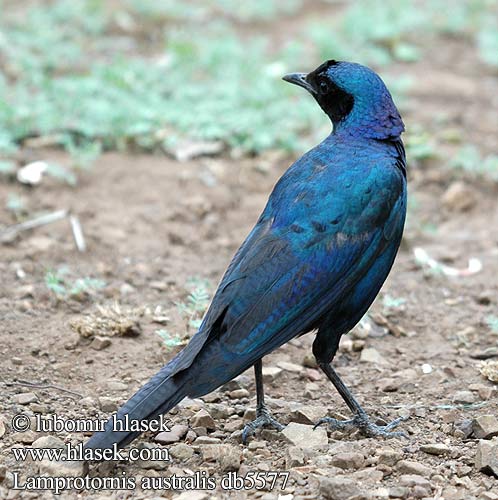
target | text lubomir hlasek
x=54, y=423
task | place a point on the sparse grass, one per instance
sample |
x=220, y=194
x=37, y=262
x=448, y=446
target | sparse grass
x=170, y=341
x=469, y=160
x=200, y=10
x=15, y=204
x=192, y=310
x=7, y=167
x=378, y=33
x=146, y=74
x=389, y=302
x=487, y=40
x=74, y=81
x=492, y=322
x=195, y=305
x=420, y=144
x=62, y=173
x=382, y=35
x=64, y=286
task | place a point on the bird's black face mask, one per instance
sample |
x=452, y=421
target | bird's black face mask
x=336, y=103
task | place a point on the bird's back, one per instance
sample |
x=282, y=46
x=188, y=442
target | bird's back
x=336, y=214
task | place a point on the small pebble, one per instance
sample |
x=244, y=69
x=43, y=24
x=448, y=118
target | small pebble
x=175, y=434
x=464, y=397
x=411, y=467
x=271, y=373
x=203, y=419
x=485, y=427
x=435, y=449
x=305, y=436
x=24, y=398
x=99, y=343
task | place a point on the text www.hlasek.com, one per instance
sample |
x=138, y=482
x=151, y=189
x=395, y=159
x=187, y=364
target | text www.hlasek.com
x=78, y=453
x=53, y=423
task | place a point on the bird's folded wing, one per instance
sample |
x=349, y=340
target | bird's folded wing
x=291, y=289
x=275, y=289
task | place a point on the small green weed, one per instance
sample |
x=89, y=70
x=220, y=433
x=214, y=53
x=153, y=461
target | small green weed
x=389, y=302
x=492, y=322
x=469, y=160
x=420, y=144
x=64, y=287
x=7, y=167
x=169, y=340
x=487, y=42
x=15, y=204
x=145, y=74
x=196, y=303
x=61, y=173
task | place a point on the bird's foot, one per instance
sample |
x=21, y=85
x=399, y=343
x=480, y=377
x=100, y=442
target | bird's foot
x=263, y=419
x=365, y=426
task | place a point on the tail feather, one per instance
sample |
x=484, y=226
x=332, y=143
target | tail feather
x=178, y=379
x=159, y=395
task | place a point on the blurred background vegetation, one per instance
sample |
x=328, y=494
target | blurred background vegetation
x=94, y=75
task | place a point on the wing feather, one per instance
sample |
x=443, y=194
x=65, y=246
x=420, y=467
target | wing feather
x=280, y=282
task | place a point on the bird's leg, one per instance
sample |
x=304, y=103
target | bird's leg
x=360, y=420
x=263, y=416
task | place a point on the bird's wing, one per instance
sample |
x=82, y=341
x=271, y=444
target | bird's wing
x=285, y=294
x=288, y=274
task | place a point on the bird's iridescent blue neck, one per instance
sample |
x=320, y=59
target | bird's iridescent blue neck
x=371, y=117
x=373, y=113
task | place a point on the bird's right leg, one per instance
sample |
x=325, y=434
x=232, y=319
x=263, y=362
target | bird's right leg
x=263, y=415
x=360, y=420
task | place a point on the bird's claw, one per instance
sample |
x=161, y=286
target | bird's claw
x=263, y=419
x=365, y=426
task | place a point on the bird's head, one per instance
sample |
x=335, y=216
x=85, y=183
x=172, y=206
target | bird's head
x=354, y=97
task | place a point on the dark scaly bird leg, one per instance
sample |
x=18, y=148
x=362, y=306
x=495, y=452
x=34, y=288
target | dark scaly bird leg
x=360, y=420
x=263, y=416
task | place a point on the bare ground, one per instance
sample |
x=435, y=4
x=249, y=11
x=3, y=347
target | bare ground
x=152, y=223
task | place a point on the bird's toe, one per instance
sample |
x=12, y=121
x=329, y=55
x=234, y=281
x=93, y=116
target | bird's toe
x=263, y=419
x=335, y=424
x=364, y=425
x=386, y=431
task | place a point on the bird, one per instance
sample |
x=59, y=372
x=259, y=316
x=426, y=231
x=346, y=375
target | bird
x=314, y=262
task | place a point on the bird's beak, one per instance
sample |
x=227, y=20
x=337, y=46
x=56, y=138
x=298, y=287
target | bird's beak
x=299, y=79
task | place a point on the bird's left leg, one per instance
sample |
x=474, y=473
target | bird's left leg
x=263, y=415
x=360, y=419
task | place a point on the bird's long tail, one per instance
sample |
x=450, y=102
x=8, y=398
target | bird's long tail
x=159, y=395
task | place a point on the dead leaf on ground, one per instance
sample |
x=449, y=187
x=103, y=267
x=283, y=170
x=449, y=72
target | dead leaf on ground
x=110, y=321
x=489, y=369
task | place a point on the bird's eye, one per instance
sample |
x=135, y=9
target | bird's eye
x=324, y=87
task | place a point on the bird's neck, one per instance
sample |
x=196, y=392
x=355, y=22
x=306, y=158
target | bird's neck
x=371, y=119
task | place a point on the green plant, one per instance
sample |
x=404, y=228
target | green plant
x=63, y=286
x=196, y=303
x=420, y=144
x=202, y=10
x=83, y=153
x=487, y=42
x=469, y=159
x=148, y=74
x=389, y=302
x=7, y=167
x=169, y=340
x=15, y=204
x=54, y=281
x=492, y=322
x=61, y=173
